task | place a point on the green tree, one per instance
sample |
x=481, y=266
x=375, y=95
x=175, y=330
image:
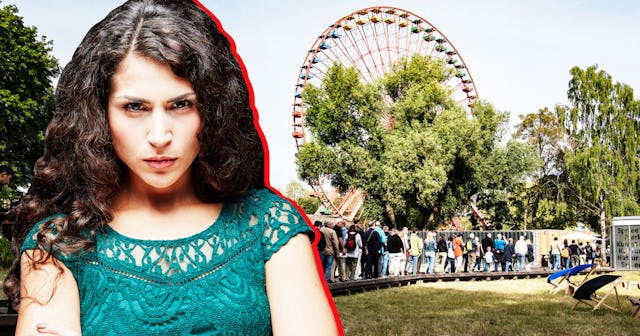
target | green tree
x=26, y=92
x=602, y=161
x=547, y=199
x=297, y=192
x=500, y=179
x=403, y=140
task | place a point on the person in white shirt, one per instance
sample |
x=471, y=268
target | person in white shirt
x=521, y=253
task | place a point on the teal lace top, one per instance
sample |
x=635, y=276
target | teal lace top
x=212, y=283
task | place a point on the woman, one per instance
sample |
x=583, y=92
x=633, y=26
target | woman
x=148, y=212
x=396, y=251
x=430, y=252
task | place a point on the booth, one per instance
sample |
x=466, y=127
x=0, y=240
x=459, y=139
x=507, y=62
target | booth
x=625, y=243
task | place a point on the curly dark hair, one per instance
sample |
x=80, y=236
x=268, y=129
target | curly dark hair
x=79, y=174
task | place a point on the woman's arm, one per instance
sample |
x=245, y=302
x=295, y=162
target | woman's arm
x=49, y=299
x=296, y=295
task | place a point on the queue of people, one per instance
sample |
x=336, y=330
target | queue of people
x=565, y=255
x=353, y=253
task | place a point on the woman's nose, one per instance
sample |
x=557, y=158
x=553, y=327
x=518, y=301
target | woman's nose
x=160, y=132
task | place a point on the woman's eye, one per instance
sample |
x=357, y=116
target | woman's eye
x=183, y=104
x=134, y=107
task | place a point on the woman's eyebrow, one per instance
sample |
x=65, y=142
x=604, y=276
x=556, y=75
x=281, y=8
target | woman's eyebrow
x=133, y=99
x=181, y=97
x=145, y=101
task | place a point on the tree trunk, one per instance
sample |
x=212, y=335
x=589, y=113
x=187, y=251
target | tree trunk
x=392, y=217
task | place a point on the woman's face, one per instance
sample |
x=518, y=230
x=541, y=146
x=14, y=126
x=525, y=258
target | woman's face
x=154, y=121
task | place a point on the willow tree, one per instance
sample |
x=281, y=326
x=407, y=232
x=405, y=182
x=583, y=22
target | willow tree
x=603, y=123
x=403, y=140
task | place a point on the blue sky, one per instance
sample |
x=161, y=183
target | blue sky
x=519, y=52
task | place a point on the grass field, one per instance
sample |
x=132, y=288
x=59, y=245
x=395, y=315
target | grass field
x=504, y=307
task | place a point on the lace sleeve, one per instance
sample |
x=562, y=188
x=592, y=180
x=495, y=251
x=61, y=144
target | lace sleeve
x=282, y=222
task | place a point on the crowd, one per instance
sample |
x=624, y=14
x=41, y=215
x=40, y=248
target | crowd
x=564, y=255
x=380, y=251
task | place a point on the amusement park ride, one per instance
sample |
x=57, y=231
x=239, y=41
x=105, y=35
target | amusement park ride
x=371, y=40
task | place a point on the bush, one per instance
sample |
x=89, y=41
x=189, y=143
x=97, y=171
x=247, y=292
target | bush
x=6, y=257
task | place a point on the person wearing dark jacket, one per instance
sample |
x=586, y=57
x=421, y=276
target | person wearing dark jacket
x=441, y=254
x=395, y=246
x=486, y=241
x=574, y=253
x=509, y=252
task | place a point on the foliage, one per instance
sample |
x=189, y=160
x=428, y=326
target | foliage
x=297, y=192
x=589, y=148
x=415, y=152
x=308, y=204
x=602, y=161
x=6, y=257
x=26, y=93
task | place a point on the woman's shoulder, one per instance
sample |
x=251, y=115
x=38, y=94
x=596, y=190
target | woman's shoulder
x=46, y=226
x=263, y=197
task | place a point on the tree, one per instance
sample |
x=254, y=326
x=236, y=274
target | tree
x=297, y=192
x=602, y=161
x=26, y=92
x=547, y=200
x=403, y=140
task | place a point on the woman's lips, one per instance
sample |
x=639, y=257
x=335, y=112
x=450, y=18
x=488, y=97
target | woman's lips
x=160, y=163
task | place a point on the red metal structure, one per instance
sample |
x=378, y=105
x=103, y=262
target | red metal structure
x=371, y=40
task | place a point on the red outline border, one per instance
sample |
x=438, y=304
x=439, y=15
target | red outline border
x=267, y=163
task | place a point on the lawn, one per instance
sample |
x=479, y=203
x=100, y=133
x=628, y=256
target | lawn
x=503, y=307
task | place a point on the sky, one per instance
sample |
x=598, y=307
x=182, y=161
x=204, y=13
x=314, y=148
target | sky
x=518, y=52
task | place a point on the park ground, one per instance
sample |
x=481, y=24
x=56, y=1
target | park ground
x=502, y=307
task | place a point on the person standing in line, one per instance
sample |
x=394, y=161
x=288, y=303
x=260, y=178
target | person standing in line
x=331, y=250
x=582, y=253
x=383, y=260
x=353, y=246
x=451, y=257
x=555, y=251
x=363, y=255
x=530, y=255
x=469, y=254
x=430, y=252
x=498, y=245
x=487, y=242
x=384, y=256
x=415, y=250
x=396, y=251
x=405, y=240
x=521, y=253
x=458, y=247
x=509, y=252
x=373, y=244
x=590, y=249
x=566, y=255
x=441, y=256
x=489, y=258
x=574, y=254
x=340, y=262
x=479, y=254
x=322, y=243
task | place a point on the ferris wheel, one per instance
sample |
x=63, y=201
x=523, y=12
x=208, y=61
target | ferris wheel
x=371, y=40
